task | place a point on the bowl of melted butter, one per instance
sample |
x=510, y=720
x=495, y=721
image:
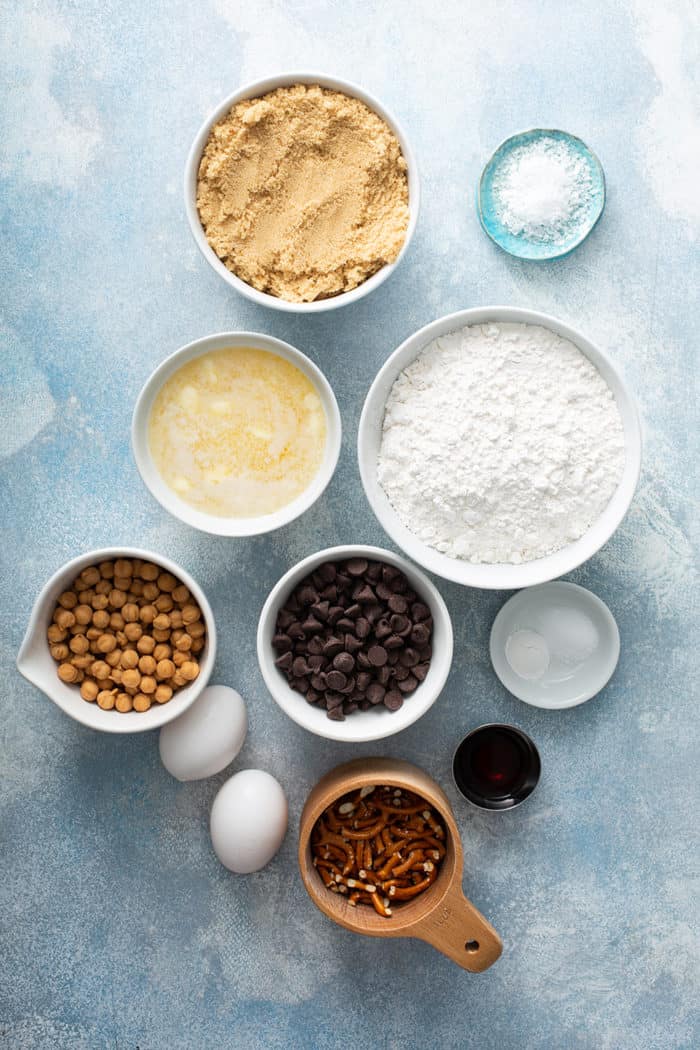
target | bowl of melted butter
x=236, y=434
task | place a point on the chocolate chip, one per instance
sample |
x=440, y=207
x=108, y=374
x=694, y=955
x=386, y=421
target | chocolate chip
x=384, y=674
x=362, y=660
x=320, y=610
x=420, y=671
x=349, y=708
x=349, y=687
x=399, y=673
x=373, y=611
x=307, y=595
x=344, y=662
x=334, y=613
x=400, y=625
x=329, y=593
x=420, y=635
x=327, y=572
x=284, y=662
x=332, y=646
x=393, y=700
x=393, y=657
x=335, y=714
x=284, y=618
x=318, y=681
x=382, y=629
x=345, y=623
x=377, y=655
x=383, y=591
x=353, y=611
x=312, y=697
x=282, y=643
x=364, y=594
x=393, y=642
x=364, y=705
x=408, y=684
x=333, y=699
x=296, y=631
x=300, y=667
x=419, y=612
x=362, y=627
x=397, y=604
x=311, y=625
x=364, y=679
x=315, y=645
x=336, y=680
x=409, y=657
x=375, y=693
x=352, y=644
x=316, y=662
x=356, y=566
x=300, y=684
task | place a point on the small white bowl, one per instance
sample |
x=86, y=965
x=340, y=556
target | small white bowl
x=360, y=726
x=571, y=641
x=256, y=90
x=35, y=663
x=212, y=523
x=495, y=576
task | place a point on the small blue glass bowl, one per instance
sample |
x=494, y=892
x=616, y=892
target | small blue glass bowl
x=517, y=244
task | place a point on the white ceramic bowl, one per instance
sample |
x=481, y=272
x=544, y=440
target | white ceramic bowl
x=221, y=526
x=585, y=646
x=255, y=90
x=35, y=662
x=496, y=576
x=376, y=723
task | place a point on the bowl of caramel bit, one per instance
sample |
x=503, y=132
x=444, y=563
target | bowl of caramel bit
x=123, y=640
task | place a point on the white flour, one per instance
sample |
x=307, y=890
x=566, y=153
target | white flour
x=542, y=190
x=501, y=443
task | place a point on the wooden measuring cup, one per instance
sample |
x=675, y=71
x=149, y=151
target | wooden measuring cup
x=441, y=915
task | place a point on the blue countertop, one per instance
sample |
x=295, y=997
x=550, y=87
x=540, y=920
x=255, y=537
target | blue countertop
x=120, y=928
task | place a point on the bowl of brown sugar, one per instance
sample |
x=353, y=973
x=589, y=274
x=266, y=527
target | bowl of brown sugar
x=302, y=192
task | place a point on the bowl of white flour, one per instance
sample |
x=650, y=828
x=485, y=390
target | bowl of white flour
x=499, y=448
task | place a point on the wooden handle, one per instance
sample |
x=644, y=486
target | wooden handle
x=460, y=932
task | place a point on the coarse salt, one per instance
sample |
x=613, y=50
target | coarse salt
x=542, y=190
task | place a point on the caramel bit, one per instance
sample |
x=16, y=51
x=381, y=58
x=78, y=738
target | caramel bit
x=127, y=633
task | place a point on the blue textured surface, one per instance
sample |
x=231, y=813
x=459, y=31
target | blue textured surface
x=520, y=245
x=120, y=929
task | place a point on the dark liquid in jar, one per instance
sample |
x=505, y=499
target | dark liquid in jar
x=496, y=767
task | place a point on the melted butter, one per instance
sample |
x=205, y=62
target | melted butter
x=237, y=432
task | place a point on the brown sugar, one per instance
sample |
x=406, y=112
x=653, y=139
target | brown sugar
x=303, y=193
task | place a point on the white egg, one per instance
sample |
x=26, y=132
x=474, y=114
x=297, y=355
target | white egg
x=248, y=821
x=209, y=735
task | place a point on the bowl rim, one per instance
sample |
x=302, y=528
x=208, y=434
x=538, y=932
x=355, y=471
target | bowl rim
x=40, y=669
x=210, y=523
x=499, y=664
x=313, y=718
x=585, y=233
x=255, y=89
x=497, y=576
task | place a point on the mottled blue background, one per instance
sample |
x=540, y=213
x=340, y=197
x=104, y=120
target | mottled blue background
x=120, y=928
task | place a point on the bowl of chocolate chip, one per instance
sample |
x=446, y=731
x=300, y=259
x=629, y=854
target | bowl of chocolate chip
x=355, y=643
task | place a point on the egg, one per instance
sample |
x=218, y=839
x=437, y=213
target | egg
x=207, y=737
x=248, y=821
